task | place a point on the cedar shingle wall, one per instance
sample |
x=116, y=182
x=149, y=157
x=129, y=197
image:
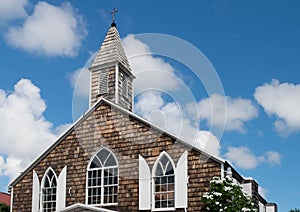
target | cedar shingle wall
x=127, y=138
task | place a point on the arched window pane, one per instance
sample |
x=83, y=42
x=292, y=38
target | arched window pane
x=49, y=192
x=102, y=183
x=169, y=169
x=95, y=163
x=164, y=179
x=110, y=161
x=159, y=170
x=102, y=155
x=164, y=160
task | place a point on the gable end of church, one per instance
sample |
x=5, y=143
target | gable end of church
x=105, y=126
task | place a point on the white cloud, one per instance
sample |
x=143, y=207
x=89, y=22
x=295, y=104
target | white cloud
x=61, y=129
x=80, y=80
x=148, y=102
x=244, y=158
x=237, y=111
x=207, y=141
x=12, y=9
x=12, y=167
x=170, y=117
x=2, y=163
x=50, y=31
x=273, y=158
x=150, y=71
x=281, y=100
x=25, y=132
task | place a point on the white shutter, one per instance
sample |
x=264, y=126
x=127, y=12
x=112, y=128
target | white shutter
x=35, y=192
x=181, y=181
x=103, y=82
x=144, y=185
x=61, y=189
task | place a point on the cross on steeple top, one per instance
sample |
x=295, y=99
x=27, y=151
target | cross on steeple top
x=113, y=13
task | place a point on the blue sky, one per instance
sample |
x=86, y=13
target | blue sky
x=253, y=47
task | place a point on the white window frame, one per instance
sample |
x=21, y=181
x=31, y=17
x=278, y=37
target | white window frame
x=102, y=179
x=42, y=187
x=153, y=182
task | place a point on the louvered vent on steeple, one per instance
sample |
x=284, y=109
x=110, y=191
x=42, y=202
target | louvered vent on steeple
x=103, y=83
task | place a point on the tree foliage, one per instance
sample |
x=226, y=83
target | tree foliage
x=227, y=195
x=4, y=208
x=295, y=210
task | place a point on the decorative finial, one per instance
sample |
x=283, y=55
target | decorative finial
x=113, y=24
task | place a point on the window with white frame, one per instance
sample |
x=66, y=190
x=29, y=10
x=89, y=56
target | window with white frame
x=164, y=183
x=102, y=178
x=48, y=191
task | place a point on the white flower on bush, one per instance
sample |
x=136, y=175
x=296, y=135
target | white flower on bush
x=226, y=195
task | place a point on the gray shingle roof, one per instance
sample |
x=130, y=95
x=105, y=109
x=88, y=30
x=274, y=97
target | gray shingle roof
x=111, y=50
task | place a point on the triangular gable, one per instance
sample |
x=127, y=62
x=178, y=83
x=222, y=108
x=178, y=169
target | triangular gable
x=86, y=115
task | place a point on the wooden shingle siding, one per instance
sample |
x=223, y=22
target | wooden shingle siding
x=127, y=138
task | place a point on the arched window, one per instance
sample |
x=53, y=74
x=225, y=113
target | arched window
x=102, y=178
x=164, y=182
x=48, y=191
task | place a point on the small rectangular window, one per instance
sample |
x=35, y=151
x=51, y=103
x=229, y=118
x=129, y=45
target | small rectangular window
x=103, y=82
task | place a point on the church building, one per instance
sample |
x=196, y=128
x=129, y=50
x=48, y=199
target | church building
x=112, y=160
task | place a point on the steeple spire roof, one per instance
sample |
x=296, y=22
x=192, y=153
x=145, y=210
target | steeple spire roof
x=111, y=50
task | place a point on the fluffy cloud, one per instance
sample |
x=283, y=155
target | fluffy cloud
x=12, y=9
x=25, y=132
x=244, y=158
x=272, y=158
x=281, y=100
x=237, y=112
x=50, y=30
x=172, y=118
x=80, y=80
x=151, y=71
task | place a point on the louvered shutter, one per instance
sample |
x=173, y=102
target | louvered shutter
x=103, y=82
x=125, y=87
